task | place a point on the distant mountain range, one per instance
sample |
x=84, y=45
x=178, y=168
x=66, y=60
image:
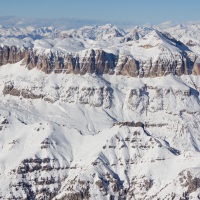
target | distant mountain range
x=60, y=23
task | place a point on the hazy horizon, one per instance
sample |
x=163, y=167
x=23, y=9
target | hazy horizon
x=75, y=23
x=117, y=12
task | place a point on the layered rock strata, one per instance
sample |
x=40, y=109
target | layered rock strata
x=98, y=62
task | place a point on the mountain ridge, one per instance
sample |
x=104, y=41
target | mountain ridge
x=139, y=52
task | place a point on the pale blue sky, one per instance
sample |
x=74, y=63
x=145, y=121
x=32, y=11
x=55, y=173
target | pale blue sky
x=136, y=11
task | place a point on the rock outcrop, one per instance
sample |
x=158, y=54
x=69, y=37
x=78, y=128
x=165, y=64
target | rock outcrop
x=96, y=97
x=11, y=54
x=196, y=68
x=98, y=62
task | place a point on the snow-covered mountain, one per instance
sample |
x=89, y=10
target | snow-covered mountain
x=139, y=51
x=30, y=31
x=99, y=113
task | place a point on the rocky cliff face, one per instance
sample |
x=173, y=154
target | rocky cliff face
x=11, y=54
x=93, y=96
x=98, y=62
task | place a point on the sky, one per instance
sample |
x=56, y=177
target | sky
x=136, y=11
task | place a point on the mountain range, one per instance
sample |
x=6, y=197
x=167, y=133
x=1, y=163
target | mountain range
x=100, y=112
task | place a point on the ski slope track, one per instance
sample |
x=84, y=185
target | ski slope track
x=100, y=113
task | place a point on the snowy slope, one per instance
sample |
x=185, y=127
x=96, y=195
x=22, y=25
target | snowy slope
x=72, y=136
x=75, y=142
x=188, y=34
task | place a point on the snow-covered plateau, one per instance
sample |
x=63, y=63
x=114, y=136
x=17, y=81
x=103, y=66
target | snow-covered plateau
x=100, y=113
